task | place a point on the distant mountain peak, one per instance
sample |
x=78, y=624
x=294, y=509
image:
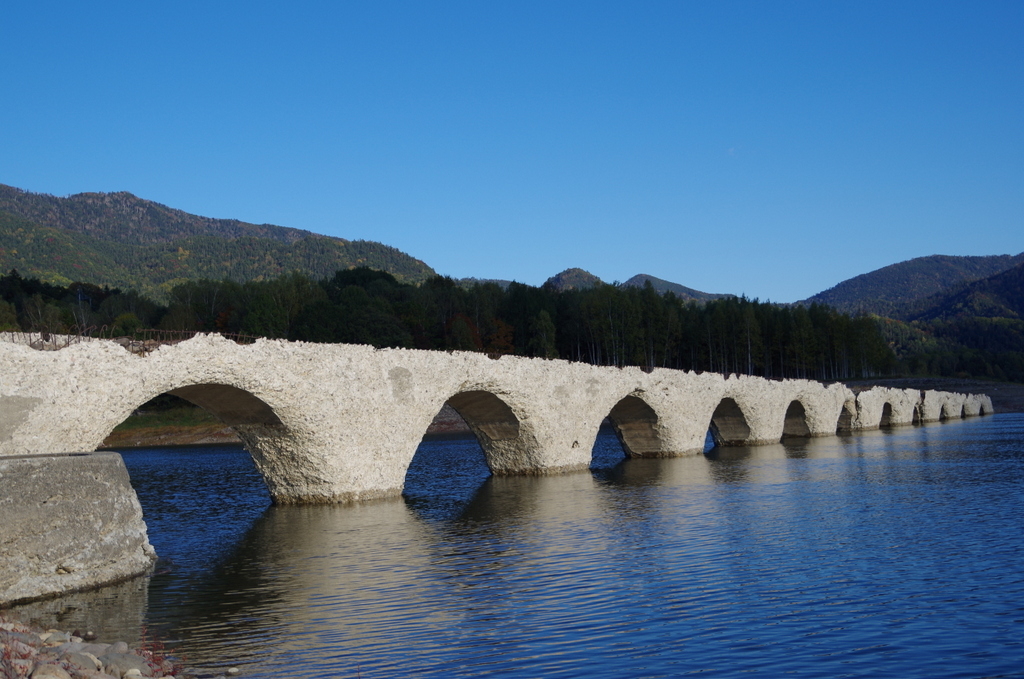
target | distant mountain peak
x=663, y=286
x=573, y=279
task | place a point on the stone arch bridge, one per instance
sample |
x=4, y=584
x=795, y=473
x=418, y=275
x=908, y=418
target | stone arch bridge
x=341, y=423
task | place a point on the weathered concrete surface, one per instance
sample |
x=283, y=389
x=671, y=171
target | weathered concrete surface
x=885, y=407
x=69, y=522
x=340, y=423
x=943, y=405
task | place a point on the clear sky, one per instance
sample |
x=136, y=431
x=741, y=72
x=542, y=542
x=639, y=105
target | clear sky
x=766, y=148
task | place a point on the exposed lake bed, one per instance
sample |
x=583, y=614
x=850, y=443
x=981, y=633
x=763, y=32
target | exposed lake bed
x=892, y=552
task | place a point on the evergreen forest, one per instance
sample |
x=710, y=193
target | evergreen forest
x=612, y=325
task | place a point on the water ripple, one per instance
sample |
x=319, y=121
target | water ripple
x=894, y=553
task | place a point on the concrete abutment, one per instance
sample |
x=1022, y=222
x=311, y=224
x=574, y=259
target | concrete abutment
x=70, y=523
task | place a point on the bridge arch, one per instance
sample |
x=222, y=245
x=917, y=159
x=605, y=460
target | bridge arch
x=636, y=426
x=795, y=423
x=728, y=424
x=950, y=411
x=273, y=446
x=847, y=416
x=508, y=443
x=231, y=405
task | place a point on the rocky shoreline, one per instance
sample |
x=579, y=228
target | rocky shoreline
x=33, y=653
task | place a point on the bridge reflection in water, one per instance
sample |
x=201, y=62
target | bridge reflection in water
x=799, y=553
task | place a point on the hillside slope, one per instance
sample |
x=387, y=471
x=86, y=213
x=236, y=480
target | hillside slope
x=580, y=279
x=893, y=290
x=999, y=296
x=123, y=241
x=124, y=218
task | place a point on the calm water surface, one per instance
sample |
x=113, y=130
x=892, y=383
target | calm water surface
x=890, y=553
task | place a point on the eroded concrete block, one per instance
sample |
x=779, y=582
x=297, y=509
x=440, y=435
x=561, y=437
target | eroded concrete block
x=68, y=522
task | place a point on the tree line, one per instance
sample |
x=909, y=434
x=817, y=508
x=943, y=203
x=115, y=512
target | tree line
x=603, y=325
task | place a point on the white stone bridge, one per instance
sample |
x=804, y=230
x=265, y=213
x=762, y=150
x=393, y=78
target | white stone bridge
x=340, y=423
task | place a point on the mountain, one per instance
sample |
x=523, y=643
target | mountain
x=895, y=290
x=975, y=329
x=124, y=218
x=678, y=290
x=999, y=296
x=124, y=241
x=578, y=279
x=573, y=279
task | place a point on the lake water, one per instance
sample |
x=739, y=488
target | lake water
x=890, y=553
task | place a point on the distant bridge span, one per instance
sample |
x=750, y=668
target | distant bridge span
x=332, y=423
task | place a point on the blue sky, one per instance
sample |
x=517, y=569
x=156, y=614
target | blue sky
x=766, y=148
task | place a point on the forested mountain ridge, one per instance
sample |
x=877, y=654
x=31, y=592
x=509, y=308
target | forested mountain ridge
x=125, y=218
x=122, y=241
x=896, y=290
x=998, y=296
x=974, y=330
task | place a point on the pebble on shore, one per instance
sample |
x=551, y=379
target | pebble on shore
x=27, y=652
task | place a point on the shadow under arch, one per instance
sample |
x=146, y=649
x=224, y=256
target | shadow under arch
x=795, y=423
x=489, y=418
x=635, y=424
x=729, y=425
x=231, y=405
x=493, y=424
x=886, y=419
x=242, y=411
x=846, y=417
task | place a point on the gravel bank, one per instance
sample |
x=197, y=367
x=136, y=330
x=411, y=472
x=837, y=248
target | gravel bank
x=33, y=653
